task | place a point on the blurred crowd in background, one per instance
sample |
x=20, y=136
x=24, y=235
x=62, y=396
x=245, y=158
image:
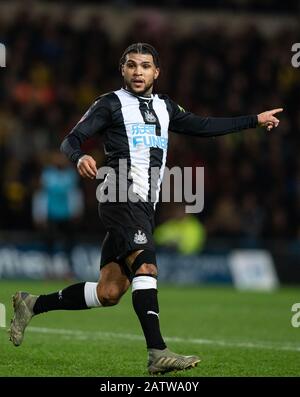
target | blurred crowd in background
x=55, y=71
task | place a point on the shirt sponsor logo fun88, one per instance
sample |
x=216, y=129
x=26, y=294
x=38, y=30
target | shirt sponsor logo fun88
x=144, y=135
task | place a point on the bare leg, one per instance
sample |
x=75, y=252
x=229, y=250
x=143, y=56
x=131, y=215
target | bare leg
x=112, y=284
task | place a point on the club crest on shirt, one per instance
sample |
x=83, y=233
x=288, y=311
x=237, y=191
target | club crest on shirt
x=150, y=117
x=140, y=238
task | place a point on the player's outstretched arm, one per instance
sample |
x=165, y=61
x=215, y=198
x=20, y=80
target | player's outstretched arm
x=268, y=120
x=188, y=123
x=87, y=167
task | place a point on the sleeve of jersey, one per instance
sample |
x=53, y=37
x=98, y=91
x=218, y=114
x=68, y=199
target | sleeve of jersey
x=188, y=123
x=95, y=120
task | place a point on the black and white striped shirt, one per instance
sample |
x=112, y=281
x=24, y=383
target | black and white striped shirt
x=135, y=129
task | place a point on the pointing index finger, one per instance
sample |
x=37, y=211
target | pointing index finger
x=278, y=110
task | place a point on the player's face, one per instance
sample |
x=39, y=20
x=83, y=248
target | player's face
x=139, y=72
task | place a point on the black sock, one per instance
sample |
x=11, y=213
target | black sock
x=70, y=298
x=145, y=301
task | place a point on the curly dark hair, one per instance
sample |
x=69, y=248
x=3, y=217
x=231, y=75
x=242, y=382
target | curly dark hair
x=141, y=48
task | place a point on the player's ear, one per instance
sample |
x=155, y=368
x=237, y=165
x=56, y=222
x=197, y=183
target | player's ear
x=122, y=70
x=156, y=74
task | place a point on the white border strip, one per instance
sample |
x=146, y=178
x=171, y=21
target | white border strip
x=2, y=315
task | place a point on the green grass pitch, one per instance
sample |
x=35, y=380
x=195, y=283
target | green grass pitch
x=235, y=333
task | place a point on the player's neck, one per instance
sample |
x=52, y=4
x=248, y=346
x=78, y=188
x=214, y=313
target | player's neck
x=146, y=95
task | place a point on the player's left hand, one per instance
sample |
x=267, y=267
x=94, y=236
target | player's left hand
x=267, y=119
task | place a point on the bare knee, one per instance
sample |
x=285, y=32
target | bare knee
x=109, y=296
x=112, y=284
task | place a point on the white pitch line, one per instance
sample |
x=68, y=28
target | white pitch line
x=85, y=335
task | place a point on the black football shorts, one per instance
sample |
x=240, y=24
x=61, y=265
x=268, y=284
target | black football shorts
x=129, y=228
